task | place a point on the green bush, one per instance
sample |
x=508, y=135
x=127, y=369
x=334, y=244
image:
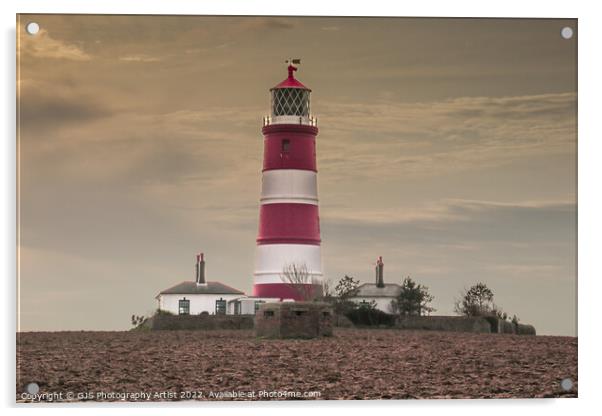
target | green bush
x=163, y=312
x=365, y=316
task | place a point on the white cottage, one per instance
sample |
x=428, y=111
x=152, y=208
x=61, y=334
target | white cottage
x=379, y=292
x=193, y=298
x=214, y=298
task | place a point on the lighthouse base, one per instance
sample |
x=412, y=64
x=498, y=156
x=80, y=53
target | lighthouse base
x=297, y=292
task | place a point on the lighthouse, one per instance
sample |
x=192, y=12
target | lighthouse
x=289, y=223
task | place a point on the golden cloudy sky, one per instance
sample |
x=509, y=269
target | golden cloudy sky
x=448, y=146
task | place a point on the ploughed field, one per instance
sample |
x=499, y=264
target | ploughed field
x=353, y=364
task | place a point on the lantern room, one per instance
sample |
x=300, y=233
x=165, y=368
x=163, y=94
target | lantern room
x=290, y=103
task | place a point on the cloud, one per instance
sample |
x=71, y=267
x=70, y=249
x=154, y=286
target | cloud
x=44, y=106
x=384, y=139
x=481, y=234
x=443, y=211
x=139, y=58
x=172, y=160
x=273, y=23
x=42, y=45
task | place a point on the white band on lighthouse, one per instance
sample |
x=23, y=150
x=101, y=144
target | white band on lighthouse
x=289, y=185
x=272, y=259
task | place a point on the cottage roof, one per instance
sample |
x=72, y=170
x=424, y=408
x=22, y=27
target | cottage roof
x=390, y=290
x=209, y=288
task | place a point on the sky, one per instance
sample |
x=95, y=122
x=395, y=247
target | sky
x=447, y=146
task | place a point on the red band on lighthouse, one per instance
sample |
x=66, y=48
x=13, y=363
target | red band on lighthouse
x=289, y=223
x=278, y=290
x=289, y=147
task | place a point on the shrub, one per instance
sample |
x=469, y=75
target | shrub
x=476, y=301
x=163, y=312
x=413, y=300
x=370, y=316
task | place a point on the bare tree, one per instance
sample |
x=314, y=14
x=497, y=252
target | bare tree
x=299, y=278
x=327, y=289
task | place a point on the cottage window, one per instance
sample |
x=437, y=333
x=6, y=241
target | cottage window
x=220, y=307
x=184, y=307
x=257, y=304
x=268, y=314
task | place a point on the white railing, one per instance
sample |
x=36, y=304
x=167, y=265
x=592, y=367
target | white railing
x=301, y=120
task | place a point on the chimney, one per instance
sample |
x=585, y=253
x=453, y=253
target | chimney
x=376, y=273
x=200, y=269
x=380, y=281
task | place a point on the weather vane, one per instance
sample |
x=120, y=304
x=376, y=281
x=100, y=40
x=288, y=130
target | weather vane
x=292, y=66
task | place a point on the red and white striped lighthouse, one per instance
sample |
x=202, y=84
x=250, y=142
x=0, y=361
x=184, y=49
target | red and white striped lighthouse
x=289, y=223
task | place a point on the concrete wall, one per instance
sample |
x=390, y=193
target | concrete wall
x=294, y=320
x=341, y=321
x=481, y=324
x=198, y=303
x=522, y=329
x=445, y=323
x=502, y=326
x=203, y=322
